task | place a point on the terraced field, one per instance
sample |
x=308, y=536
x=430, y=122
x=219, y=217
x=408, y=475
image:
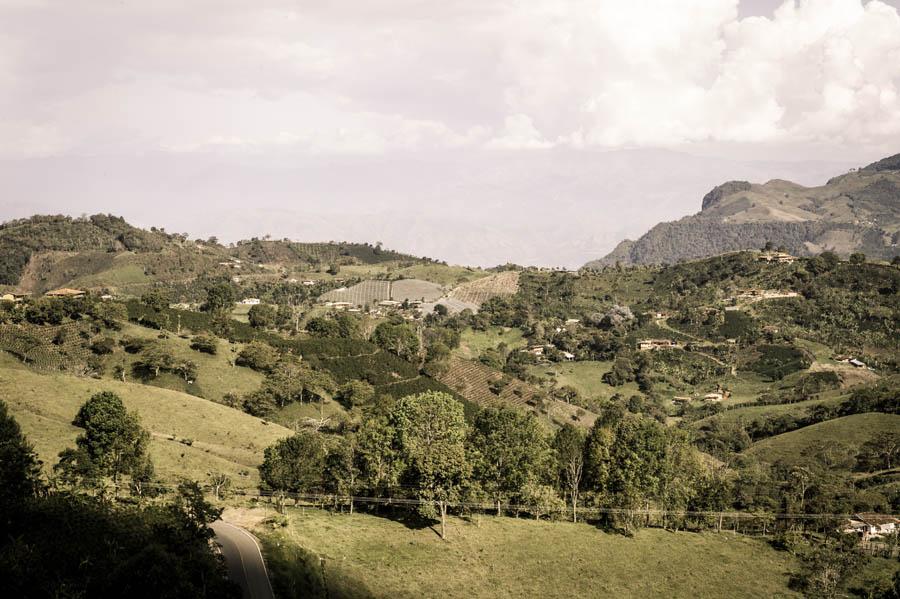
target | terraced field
x=479, y=291
x=47, y=348
x=473, y=381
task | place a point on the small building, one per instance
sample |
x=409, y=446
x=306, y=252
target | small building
x=13, y=297
x=65, y=292
x=389, y=303
x=716, y=396
x=777, y=257
x=650, y=344
x=573, y=321
x=250, y=301
x=568, y=356
x=871, y=526
x=856, y=363
x=107, y=297
x=309, y=283
x=681, y=399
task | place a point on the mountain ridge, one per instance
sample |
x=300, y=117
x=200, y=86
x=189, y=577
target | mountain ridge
x=858, y=211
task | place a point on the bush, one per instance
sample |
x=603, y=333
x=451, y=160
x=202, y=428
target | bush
x=103, y=346
x=205, y=344
x=259, y=356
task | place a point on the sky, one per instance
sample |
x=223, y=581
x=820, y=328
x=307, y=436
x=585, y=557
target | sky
x=474, y=131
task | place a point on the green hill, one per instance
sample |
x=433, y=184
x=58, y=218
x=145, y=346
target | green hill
x=851, y=431
x=191, y=436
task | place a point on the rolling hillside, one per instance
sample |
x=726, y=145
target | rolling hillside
x=855, y=212
x=192, y=437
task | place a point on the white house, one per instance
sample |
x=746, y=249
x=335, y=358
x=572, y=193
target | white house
x=870, y=526
x=250, y=301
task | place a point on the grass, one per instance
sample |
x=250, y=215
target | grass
x=472, y=343
x=585, y=377
x=850, y=430
x=440, y=274
x=216, y=375
x=223, y=439
x=365, y=555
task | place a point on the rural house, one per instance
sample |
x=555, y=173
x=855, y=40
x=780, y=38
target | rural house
x=869, y=526
x=65, y=292
x=648, y=344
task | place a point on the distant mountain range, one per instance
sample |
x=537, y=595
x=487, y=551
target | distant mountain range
x=855, y=212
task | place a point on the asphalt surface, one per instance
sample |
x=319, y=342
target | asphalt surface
x=244, y=560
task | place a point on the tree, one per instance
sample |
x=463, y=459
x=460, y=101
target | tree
x=113, y=440
x=154, y=359
x=857, y=258
x=637, y=463
x=293, y=465
x=355, y=393
x=194, y=509
x=291, y=380
x=258, y=355
x=509, y=451
x=431, y=433
x=568, y=445
x=205, y=344
x=219, y=298
x=20, y=469
x=380, y=463
x=398, y=338
x=881, y=452
x=156, y=300
x=262, y=316
x=220, y=483
x=342, y=468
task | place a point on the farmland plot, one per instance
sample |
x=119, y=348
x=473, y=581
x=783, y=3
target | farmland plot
x=480, y=291
x=415, y=290
x=474, y=381
x=365, y=292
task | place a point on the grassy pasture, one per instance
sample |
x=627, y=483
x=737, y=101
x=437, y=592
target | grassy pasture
x=216, y=375
x=367, y=556
x=472, y=343
x=851, y=430
x=585, y=377
x=221, y=439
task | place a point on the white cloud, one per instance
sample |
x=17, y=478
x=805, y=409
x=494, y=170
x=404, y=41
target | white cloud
x=519, y=133
x=398, y=75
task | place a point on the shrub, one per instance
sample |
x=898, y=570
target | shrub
x=259, y=356
x=205, y=344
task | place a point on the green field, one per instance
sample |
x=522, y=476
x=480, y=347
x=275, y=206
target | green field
x=585, y=376
x=216, y=374
x=222, y=439
x=472, y=343
x=850, y=430
x=488, y=556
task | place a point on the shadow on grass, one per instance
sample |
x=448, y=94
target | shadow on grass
x=296, y=572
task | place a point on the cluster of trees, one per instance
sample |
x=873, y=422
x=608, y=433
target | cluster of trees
x=423, y=448
x=51, y=545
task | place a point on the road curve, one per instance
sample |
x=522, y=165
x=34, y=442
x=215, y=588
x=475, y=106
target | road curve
x=244, y=559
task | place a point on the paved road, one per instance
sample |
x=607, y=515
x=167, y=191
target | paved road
x=244, y=560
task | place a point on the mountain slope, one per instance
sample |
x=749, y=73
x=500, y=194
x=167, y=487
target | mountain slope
x=857, y=211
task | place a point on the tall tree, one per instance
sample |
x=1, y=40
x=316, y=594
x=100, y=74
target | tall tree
x=509, y=450
x=293, y=465
x=113, y=440
x=568, y=445
x=20, y=469
x=431, y=437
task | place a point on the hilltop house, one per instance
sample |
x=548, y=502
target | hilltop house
x=777, y=257
x=648, y=344
x=869, y=526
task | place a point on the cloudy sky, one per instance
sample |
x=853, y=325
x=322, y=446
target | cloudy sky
x=477, y=131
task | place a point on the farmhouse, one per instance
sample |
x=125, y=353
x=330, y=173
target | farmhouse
x=681, y=399
x=250, y=301
x=568, y=356
x=777, y=257
x=65, y=292
x=869, y=526
x=717, y=396
x=13, y=297
x=649, y=344
x=856, y=363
